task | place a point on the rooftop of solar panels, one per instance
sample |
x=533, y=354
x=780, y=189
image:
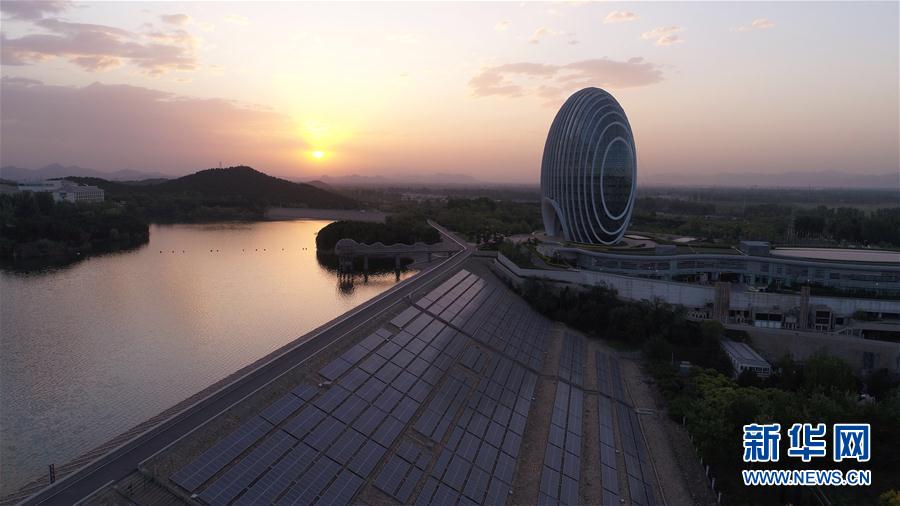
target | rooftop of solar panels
x=440, y=402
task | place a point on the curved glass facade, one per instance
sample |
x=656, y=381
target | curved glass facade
x=588, y=170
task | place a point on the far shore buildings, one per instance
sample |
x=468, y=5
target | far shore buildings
x=62, y=190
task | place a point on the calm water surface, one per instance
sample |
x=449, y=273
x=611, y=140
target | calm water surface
x=88, y=351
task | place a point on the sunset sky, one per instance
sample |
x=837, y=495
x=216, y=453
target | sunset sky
x=300, y=90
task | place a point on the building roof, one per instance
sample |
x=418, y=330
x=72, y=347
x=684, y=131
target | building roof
x=743, y=353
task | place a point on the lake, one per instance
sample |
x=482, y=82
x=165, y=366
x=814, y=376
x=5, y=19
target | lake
x=92, y=349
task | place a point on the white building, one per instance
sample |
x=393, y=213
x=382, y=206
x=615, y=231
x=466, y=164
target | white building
x=743, y=357
x=65, y=191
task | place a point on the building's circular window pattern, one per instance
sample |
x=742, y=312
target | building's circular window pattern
x=588, y=171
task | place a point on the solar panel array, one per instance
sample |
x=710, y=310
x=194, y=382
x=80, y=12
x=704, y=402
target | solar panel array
x=481, y=310
x=322, y=445
x=562, y=458
x=430, y=409
x=478, y=461
x=571, y=361
x=637, y=461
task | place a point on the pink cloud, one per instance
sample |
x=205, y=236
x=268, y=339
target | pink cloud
x=98, y=47
x=118, y=126
x=551, y=81
x=32, y=9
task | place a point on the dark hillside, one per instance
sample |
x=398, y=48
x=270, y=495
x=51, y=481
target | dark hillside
x=234, y=186
x=255, y=186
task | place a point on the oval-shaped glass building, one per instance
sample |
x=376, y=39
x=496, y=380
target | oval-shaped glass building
x=588, y=173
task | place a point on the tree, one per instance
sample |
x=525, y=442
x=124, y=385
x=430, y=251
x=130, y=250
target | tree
x=828, y=374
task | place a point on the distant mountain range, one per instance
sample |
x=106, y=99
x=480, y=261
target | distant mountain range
x=56, y=170
x=817, y=179
x=236, y=184
x=440, y=178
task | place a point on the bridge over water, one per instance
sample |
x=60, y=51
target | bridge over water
x=348, y=249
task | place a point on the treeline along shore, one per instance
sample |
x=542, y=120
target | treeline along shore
x=36, y=231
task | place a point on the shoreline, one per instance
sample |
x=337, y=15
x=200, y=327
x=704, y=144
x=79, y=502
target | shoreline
x=297, y=213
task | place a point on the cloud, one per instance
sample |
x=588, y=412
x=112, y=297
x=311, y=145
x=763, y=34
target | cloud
x=539, y=34
x=501, y=26
x=668, y=40
x=119, y=126
x=176, y=19
x=619, y=17
x=757, y=24
x=237, y=19
x=664, y=35
x=32, y=9
x=551, y=81
x=544, y=32
x=100, y=47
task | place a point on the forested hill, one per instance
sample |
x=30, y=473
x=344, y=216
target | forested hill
x=233, y=185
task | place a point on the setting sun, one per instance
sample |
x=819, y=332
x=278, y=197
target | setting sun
x=318, y=155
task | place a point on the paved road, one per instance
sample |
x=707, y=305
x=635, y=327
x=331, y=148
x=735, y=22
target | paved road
x=125, y=459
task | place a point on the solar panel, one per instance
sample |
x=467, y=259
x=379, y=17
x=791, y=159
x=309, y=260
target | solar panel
x=405, y=316
x=506, y=467
x=409, y=484
x=239, y=476
x=388, y=432
x=311, y=483
x=372, y=341
x=335, y=368
x=405, y=409
x=364, y=462
x=610, y=478
x=325, y=433
x=468, y=447
x=427, y=492
x=388, y=372
x=342, y=490
x=445, y=495
x=388, y=349
x=404, y=381
x=219, y=455
x=304, y=392
x=332, y=398
x=355, y=354
x=418, y=324
x=486, y=457
x=610, y=497
x=550, y=482
x=571, y=465
x=281, y=409
x=304, y=421
x=388, y=399
x=280, y=477
x=392, y=474
x=476, y=485
x=350, y=409
x=497, y=494
x=420, y=391
x=353, y=379
x=456, y=473
x=511, y=443
x=371, y=389
x=372, y=363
